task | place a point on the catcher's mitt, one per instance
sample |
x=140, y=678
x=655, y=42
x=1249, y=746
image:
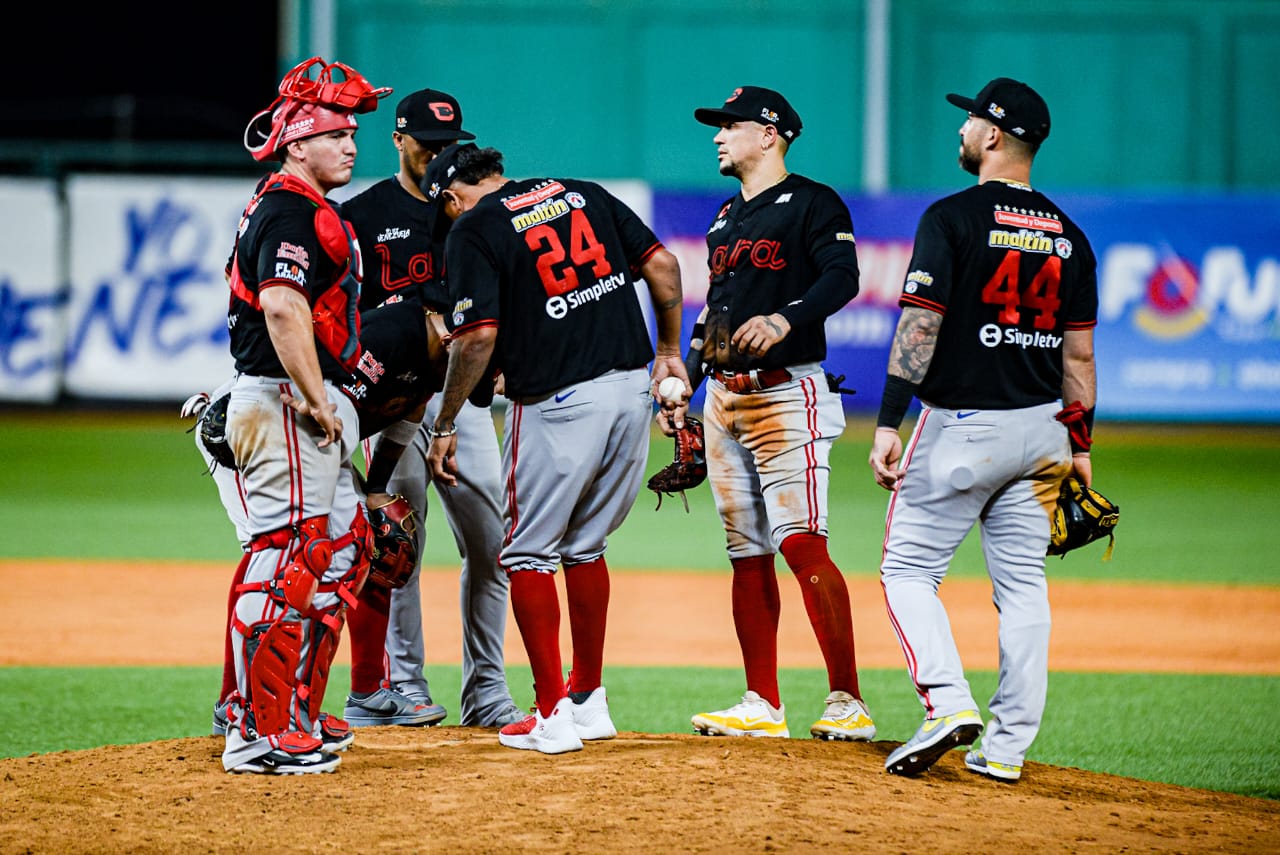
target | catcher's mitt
x=211, y=422
x=395, y=545
x=1081, y=516
x=688, y=470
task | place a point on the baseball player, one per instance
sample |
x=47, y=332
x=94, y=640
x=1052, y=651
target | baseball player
x=782, y=259
x=402, y=363
x=294, y=328
x=542, y=275
x=392, y=224
x=998, y=311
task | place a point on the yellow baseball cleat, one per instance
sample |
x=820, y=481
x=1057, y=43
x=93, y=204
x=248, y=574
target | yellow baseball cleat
x=753, y=717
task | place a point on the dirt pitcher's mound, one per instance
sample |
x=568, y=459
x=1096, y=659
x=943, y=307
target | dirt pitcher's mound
x=454, y=789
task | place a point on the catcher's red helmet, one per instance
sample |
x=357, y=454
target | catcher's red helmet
x=311, y=105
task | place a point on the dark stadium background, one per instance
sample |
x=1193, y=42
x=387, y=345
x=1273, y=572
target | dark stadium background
x=121, y=74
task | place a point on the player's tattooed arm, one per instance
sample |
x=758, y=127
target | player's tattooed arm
x=914, y=343
x=469, y=356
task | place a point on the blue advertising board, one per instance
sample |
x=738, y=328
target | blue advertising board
x=1189, y=297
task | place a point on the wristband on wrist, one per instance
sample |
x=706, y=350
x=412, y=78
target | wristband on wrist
x=436, y=433
x=898, y=393
x=1079, y=423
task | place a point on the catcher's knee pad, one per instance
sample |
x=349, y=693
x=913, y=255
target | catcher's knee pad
x=312, y=556
x=362, y=535
x=325, y=629
x=272, y=651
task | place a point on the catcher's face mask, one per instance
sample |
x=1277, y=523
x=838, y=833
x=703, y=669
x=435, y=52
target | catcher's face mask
x=310, y=105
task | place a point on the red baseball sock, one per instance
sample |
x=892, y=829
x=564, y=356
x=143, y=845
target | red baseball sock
x=537, y=611
x=367, y=627
x=756, y=607
x=826, y=599
x=587, y=589
x=228, y=654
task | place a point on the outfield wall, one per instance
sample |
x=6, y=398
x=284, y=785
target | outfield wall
x=112, y=288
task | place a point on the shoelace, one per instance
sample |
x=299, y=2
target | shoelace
x=842, y=709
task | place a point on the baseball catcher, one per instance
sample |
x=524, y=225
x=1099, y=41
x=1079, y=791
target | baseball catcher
x=395, y=543
x=1081, y=516
x=688, y=470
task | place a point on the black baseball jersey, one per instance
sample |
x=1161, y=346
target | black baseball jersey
x=393, y=227
x=553, y=264
x=789, y=250
x=1010, y=273
x=278, y=247
x=393, y=375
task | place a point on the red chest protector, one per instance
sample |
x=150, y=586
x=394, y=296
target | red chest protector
x=335, y=315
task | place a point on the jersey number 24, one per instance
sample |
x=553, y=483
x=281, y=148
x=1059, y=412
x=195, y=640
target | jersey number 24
x=584, y=248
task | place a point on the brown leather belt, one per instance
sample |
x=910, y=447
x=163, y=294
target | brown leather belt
x=755, y=380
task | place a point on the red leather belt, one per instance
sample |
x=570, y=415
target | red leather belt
x=755, y=380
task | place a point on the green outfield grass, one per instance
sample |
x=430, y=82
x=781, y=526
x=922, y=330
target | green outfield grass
x=1196, y=504
x=1196, y=507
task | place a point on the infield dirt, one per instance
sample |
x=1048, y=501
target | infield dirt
x=454, y=789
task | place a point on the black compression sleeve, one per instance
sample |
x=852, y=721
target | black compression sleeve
x=898, y=392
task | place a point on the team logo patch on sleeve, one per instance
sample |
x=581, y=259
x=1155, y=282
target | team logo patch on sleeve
x=916, y=280
x=285, y=270
x=845, y=236
x=293, y=252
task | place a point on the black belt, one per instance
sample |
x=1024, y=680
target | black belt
x=755, y=380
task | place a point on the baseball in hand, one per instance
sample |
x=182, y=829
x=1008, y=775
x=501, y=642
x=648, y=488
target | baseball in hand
x=671, y=389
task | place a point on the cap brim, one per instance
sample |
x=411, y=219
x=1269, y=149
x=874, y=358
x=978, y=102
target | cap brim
x=966, y=104
x=716, y=118
x=442, y=134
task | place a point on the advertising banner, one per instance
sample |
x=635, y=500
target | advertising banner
x=147, y=312
x=32, y=291
x=1189, y=298
x=115, y=289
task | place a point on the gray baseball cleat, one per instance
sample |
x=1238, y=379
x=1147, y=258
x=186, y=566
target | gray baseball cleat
x=932, y=741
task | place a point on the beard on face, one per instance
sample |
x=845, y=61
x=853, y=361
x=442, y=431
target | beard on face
x=970, y=159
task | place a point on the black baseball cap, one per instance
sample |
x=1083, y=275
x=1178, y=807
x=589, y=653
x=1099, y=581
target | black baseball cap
x=754, y=104
x=1010, y=105
x=430, y=115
